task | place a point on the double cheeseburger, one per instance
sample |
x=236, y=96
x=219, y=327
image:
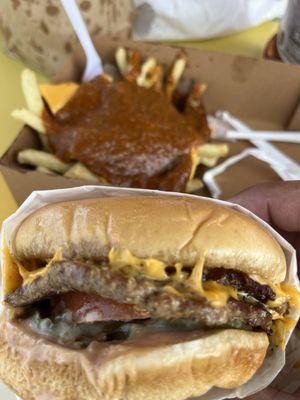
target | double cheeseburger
x=139, y=298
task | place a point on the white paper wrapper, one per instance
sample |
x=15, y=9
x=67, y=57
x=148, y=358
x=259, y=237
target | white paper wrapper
x=273, y=362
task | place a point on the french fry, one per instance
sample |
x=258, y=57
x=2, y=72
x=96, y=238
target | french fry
x=213, y=150
x=147, y=72
x=38, y=158
x=208, y=161
x=121, y=60
x=193, y=185
x=45, y=170
x=107, y=77
x=195, y=162
x=195, y=97
x=34, y=101
x=129, y=63
x=208, y=154
x=29, y=118
x=80, y=171
x=134, y=65
x=34, y=121
x=31, y=92
x=175, y=74
x=158, y=77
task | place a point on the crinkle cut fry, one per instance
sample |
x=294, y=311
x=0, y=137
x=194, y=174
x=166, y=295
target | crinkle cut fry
x=147, y=76
x=209, y=153
x=150, y=73
x=159, y=76
x=121, y=60
x=196, y=95
x=133, y=65
x=129, y=63
x=175, y=73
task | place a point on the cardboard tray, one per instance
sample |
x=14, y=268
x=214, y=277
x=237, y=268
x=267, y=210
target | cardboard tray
x=264, y=94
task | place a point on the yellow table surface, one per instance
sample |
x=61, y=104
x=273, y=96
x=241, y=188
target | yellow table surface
x=250, y=42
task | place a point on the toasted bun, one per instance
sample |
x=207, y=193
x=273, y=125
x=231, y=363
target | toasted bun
x=169, y=229
x=37, y=369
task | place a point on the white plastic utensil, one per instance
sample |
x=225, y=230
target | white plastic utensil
x=287, y=137
x=284, y=166
x=93, y=61
x=212, y=173
x=289, y=168
x=221, y=129
x=272, y=136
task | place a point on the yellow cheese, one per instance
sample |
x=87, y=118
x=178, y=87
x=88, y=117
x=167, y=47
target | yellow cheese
x=11, y=278
x=148, y=266
x=281, y=328
x=195, y=279
x=217, y=294
x=178, y=276
x=155, y=269
x=195, y=161
x=284, y=292
x=29, y=276
x=56, y=96
x=292, y=294
x=172, y=290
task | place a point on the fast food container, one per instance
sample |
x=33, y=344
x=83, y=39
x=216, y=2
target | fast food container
x=263, y=94
x=275, y=358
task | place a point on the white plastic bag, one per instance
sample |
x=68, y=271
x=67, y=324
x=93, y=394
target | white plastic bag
x=200, y=19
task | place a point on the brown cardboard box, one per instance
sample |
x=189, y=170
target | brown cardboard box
x=40, y=34
x=263, y=94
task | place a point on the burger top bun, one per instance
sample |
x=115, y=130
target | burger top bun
x=168, y=229
x=154, y=369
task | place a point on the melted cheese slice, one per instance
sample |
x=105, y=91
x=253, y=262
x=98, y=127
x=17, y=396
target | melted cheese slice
x=195, y=162
x=29, y=276
x=56, y=96
x=151, y=267
x=14, y=274
x=292, y=294
x=281, y=329
x=11, y=278
x=215, y=293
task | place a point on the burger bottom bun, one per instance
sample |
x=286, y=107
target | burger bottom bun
x=152, y=368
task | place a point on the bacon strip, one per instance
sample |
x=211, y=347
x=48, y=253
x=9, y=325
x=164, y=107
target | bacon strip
x=92, y=308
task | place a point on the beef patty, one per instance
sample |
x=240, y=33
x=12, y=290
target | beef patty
x=145, y=293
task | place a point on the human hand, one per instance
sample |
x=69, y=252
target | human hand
x=279, y=205
x=273, y=394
